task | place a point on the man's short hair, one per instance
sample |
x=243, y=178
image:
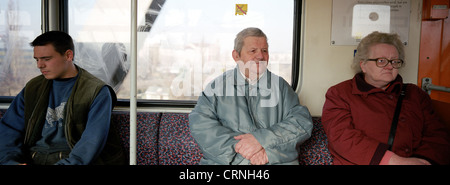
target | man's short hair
x=61, y=41
x=247, y=32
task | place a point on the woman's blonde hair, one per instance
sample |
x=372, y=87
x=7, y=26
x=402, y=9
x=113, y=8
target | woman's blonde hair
x=362, y=51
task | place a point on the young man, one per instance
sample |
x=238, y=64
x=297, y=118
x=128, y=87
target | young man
x=62, y=116
x=249, y=115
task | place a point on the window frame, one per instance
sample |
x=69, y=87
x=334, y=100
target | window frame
x=60, y=8
x=45, y=26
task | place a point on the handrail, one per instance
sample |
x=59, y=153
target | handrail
x=133, y=84
x=427, y=86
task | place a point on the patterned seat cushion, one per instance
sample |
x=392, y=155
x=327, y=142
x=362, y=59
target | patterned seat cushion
x=315, y=151
x=176, y=145
x=147, y=135
x=165, y=139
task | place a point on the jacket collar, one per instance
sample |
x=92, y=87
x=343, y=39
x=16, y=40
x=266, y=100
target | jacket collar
x=360, y=86
x=237, y=79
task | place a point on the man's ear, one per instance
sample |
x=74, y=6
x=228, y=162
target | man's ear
x=69, y=55
x=236, y=56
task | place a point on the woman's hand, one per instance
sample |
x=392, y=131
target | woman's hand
x=397, y=160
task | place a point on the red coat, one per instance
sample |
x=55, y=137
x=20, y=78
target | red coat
x=357, y=118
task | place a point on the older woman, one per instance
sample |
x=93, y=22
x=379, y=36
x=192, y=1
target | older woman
x=358, y=113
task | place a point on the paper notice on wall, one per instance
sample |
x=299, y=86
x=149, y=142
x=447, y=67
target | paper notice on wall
x=352, y=20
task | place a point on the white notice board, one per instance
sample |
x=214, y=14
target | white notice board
x=354, y=19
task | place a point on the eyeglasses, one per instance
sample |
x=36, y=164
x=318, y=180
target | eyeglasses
x=383, y=62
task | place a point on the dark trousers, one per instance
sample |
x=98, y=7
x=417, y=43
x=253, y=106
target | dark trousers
x=41, y=158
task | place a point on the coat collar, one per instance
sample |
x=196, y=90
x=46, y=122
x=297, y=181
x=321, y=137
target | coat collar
x=360, y=86
x=237, y=79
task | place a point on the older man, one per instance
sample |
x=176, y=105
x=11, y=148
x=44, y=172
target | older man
x=249, y=115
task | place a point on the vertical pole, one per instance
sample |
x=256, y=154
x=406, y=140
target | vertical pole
x=133, y=89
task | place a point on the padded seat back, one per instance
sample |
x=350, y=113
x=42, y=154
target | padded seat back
x=147, y=135
x=176, y=144
x=314, y=151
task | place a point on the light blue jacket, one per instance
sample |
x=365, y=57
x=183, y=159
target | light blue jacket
x=269, y=110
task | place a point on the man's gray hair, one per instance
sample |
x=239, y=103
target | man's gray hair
x=247, y=32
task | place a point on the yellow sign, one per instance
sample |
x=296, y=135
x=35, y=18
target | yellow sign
x=241, y=9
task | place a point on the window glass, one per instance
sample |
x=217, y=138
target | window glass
x=182, y=45
x=20, y=23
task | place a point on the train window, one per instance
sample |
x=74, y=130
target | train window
x=182, y=45
x=20, y=23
